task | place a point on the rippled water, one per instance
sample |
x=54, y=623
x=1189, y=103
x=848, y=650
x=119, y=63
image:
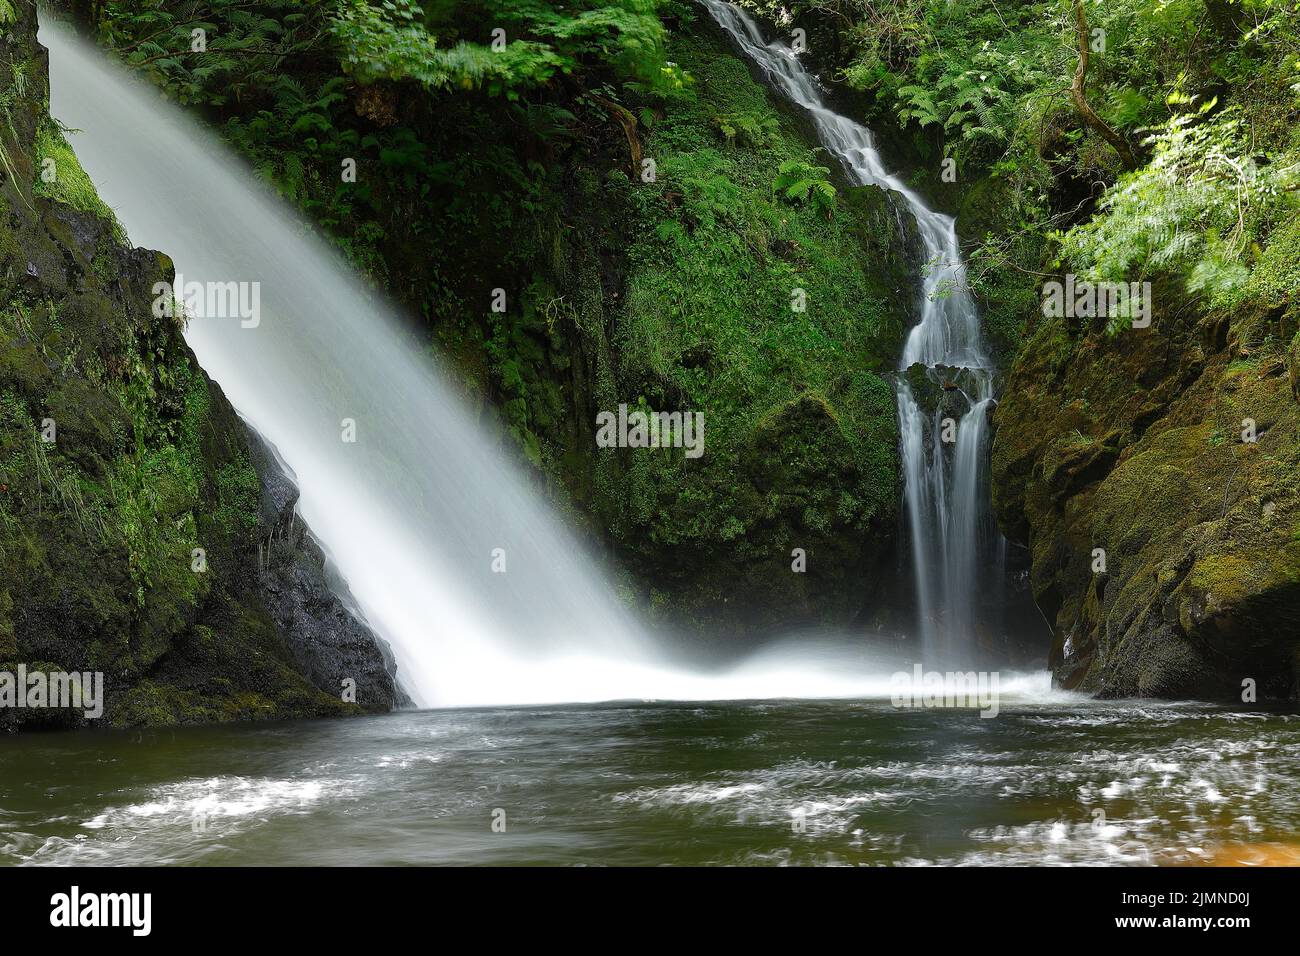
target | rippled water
x=773, y=782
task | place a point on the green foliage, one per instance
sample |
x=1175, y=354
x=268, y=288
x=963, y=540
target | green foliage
x=293, y=126
x=1193, y=209
x=915, y=103
x=798, y=181
x=244, y=45
x=988, y=83
x=280, y=79
x=394, y=44
x=968, y=67
x=61, y=178
x=397, y=40
x=746, y=129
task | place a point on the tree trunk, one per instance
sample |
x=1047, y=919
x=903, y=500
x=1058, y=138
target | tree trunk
x=628, y=122
x=1089, y=115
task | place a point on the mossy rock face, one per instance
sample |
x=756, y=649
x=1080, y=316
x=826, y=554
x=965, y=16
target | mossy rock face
x=1293, y=365
x=1152, y=475
x=128, y=507
x=780, y=326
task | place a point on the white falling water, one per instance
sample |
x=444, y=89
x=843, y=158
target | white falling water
x=411, y=511
x=943, y=489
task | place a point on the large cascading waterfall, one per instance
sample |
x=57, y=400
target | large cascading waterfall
x=412, y=511
x=944, y=466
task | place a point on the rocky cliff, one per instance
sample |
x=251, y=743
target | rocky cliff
x=129, y=504
x=1155, y=475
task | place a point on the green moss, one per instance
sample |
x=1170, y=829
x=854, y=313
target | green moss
x=773, y=319
x=237, y=489
x=1276, y=275
x=719, y=258
x=59, y=176
x=1226, y=578
x=152, y=704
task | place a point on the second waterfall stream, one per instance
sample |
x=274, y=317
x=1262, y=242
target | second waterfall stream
x=954, y=544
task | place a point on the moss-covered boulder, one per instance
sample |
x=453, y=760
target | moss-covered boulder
x=1153, y=475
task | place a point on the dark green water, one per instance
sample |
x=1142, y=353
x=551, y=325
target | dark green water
x=774, y=782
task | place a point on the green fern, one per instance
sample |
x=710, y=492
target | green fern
x=917, y=104
x=392, y=41
x=799, y=182
x=746, y=129
x=1190, y=211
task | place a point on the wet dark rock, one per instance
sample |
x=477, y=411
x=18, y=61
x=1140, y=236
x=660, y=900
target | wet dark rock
x=327, y=637
x=925, y=389
x=945, y=389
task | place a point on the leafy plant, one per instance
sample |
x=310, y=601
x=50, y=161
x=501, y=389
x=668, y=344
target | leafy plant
x=1191, y=210
x=535, y=44
x=747, y=129
x=798, y=181
x=916, y=104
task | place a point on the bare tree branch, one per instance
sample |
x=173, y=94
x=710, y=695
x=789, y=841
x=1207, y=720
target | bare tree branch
x=1089, y=115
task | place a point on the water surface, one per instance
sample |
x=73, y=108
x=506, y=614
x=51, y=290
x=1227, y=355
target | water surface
x=764, y=782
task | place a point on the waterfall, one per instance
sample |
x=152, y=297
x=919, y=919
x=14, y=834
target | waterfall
x=412, y=511
x=945, y=482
